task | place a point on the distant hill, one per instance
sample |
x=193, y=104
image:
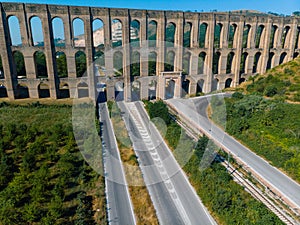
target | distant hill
x=282, y=81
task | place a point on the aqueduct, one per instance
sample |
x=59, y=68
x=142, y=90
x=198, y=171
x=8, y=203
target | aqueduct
x=205, y=51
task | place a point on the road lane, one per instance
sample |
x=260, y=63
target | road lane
x=174, y=199
x=194, y=111
x=120, y=210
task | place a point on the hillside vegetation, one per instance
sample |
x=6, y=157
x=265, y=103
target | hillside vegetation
x=264, y=116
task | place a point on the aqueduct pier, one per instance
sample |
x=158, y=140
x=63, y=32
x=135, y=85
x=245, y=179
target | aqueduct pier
x=213, y=50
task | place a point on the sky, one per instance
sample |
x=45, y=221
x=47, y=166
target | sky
x=285, y=7
x=277, y=6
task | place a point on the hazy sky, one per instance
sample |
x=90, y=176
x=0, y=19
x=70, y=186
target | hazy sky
x=278, y=6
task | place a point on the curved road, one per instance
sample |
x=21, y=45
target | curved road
x=193, y=111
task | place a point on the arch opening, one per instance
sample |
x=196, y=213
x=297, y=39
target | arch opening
x=135, y=64
x=244, y=63
x=40, y=64
x=152, y=33
x=64, y=91
x=230, y=59
x=37, y=36
x=80, y=61
x=83, y=90
x=202, y=35
x=3, y=91
x=201, y=62
x=170, y=89
x=187, y=31
x=43, y=90
x=116, y=33
x=218, y=35
x=152, y=58
x=169, y=65
x=228, y=83
x=22, y=91
x=185, y=87
x=256, y=62
x=200, y=87
x=58, y=32
x=246, y=36
x=152, y=89
x=216, y=62
x=119, y=91
x=231, y=35
x=78, y=33
x=186, y=63
x=98, y=34
x=135, y=90
x=118, y=63
x=170, y=34
x=14, y=31
x=135, y=33
x=259, y=36
x=19, y=64
x=61, y=64
x=273, y=35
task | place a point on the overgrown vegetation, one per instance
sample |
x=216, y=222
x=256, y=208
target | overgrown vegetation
x=281, y=82
x=263, y=120
x=43, y=177
x=228, y=202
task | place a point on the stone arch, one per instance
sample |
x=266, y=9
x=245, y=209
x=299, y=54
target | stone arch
x=118, y=63
x=117, y=33
x=98, y=33
x=99, y=62
x=230, y=60
x=244, y=63
x=246, y=36
x=170, y=34
x=152, y=89
x=185, y=87
x=135, y=64
x=216, y=62
x=61, y=64
x=228, y=83
x=218, y=35
x=152, y=63
x=80, y=61
x=82, y=90
x=170, y=59
x=186, y=63
x=19, y=64
x=64, y=90
x=215, y=84
x=43, y=90
x=200, y=86
x=135, y=33
x=231, y=35
x=119, y=91
x=58, y=32
x=14, y=31
x=297, y=41
x=78, y=32
x=22, y=91
x=270, y=62
x=36, y=28
x=3, y=91
x=1, y=69
x=285, y=37
x=273, y=35
x=256, y=62
x=201, y=62
x=202, y=35
x=152, y=33
x=170, y=89
x=187, y=32
x=135, y=90
x=40, y=64
x=241, y=80
x=259, y=36
x=283, y=58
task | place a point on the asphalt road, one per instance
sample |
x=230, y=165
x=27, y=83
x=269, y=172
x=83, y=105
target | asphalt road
x=120, y=210
x=194, y=111
x=174, y=199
